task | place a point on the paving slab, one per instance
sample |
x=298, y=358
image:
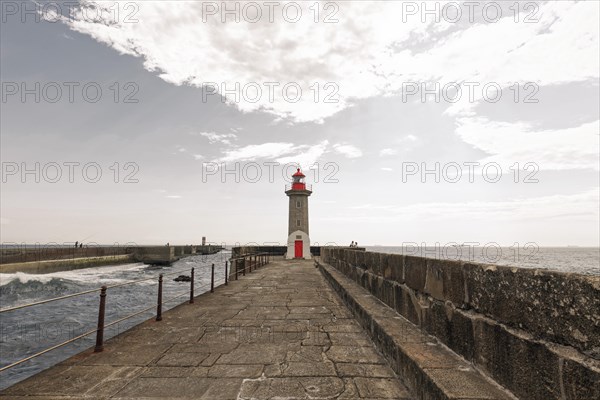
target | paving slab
x=279, y=332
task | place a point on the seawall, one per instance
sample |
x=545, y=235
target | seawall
x=534, y=332
x=47, y=260
x=49, y=266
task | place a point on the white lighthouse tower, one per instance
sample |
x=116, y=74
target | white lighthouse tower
x=298, y=243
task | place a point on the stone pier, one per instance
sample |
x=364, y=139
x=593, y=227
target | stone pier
x=279, y=332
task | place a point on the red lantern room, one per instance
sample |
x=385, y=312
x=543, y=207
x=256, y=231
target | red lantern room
x=298, y=181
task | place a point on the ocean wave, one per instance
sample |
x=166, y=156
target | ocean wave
x=85, y=275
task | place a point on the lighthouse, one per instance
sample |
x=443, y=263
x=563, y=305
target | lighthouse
x=298, y=243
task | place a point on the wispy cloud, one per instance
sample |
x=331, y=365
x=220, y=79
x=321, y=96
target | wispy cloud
x=543, y=207
x=224, y=138
x=388, y=152
x=347, y=150
x=258, y=151
x=507, y=143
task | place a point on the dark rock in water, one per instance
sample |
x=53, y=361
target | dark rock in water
x=182, y=278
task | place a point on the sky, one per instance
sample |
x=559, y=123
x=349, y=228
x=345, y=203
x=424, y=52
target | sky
x=154, y=122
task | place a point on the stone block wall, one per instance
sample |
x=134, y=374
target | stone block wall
x=535, y=332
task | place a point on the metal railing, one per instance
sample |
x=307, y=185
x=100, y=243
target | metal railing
x=289, y=187
x=248, y=261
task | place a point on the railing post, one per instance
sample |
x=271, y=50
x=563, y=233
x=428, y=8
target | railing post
x=159, y=300
x=244, y=269
x=236, y=268
x=212, y=278
x=100, y=331
x=192, y=288
x=225, y=273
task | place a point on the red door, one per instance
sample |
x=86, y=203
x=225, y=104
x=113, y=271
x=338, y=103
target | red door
x=298, y=249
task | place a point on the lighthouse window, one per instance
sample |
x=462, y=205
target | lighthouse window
x=298, y=204
x=297, y=222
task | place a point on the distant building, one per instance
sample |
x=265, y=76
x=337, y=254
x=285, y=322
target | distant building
x=203, y=240
x=298, y=243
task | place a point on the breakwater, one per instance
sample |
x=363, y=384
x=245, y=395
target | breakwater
x=534, y=332
x=40, y=260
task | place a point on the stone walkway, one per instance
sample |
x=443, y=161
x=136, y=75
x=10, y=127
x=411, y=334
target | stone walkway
x=277, y=333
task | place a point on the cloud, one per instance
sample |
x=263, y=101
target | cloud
x=507, y=143
x=224, y=138
x=285, y=152
x=347, y=150
x=388, y=152
x=584, y=204
x=173, y=197
x=358, y=58
x=258, y=151
x=306, y=155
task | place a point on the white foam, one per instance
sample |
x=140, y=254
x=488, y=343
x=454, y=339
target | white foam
x=77, y=275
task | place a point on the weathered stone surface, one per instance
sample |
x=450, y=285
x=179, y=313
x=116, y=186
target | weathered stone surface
x=529, y=369
x=366, y=370
x=415, y=272
x=388, y=293
x=396, y=266
x=407, y=304
x=580, y=382
x=292, y=388
x=75, y=381
x=384, y=265
x=381, y=388
x=181, y=359
x=191, y=387
x=463, y=384
x=564, y=308
x=320, y=368
x=445, y=281
x=349, y=339
x=352, y=354
x=451, y=326
x=166, y=372
x=235, y=371
x=127, y=355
